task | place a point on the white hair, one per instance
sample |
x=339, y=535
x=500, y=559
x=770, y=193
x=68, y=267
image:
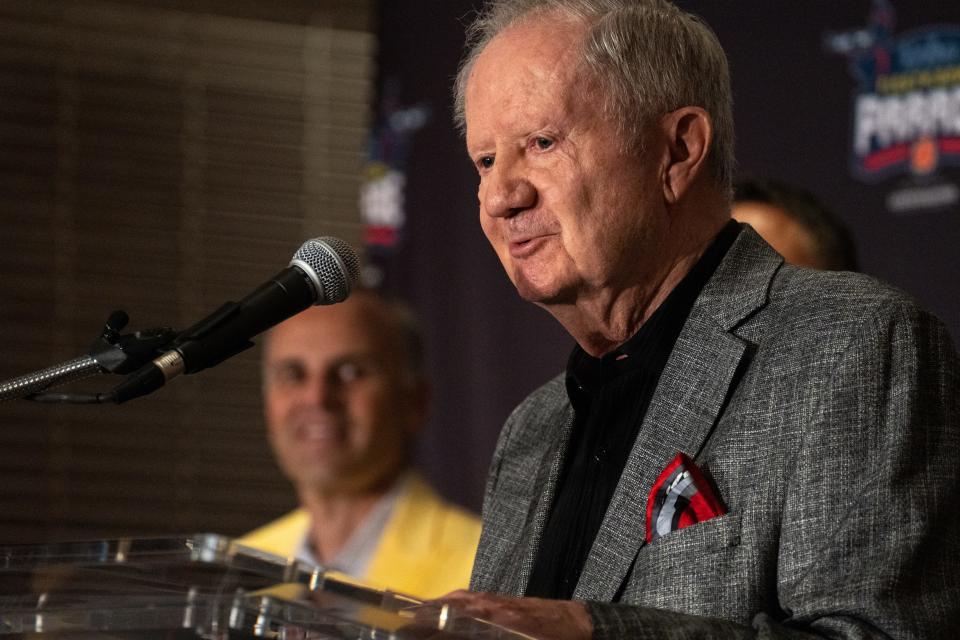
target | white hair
x=648, y=56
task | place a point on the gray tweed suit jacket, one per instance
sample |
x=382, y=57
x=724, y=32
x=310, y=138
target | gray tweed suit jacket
x=826, y=409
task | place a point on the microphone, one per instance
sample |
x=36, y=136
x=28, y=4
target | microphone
x=322, y=271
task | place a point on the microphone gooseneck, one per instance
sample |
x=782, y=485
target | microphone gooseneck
x=23, y=386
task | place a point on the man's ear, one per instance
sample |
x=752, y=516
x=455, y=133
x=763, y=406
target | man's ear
x=689, y=135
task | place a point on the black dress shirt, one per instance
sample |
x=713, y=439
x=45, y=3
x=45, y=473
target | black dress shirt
x=610, y=396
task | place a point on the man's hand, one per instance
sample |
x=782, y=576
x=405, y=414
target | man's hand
x=536, y=617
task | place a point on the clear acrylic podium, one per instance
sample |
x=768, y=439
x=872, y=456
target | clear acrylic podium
x=203, y=586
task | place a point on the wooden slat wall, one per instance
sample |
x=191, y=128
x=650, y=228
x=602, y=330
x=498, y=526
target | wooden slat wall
x=160, y=160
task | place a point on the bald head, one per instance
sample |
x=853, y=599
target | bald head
x=378, y=315
x=344, y=394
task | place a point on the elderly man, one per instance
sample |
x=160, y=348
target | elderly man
x=345, y=395
x=739, y=448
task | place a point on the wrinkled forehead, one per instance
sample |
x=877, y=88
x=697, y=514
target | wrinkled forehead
x=530, y=65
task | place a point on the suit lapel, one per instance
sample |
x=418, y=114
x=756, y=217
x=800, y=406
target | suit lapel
x=686, y=405
x=688, y=401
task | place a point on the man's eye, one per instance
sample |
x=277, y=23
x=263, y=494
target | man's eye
x=485, y=162
x=288, y=376
x=348, y=372
x=543, y=143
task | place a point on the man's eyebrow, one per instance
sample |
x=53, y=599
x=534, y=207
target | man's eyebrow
x=285, y=362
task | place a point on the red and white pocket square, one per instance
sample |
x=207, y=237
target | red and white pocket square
x=680, y=497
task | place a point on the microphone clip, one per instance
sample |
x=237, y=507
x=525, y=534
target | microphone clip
x=123, y=354
x=111, y=352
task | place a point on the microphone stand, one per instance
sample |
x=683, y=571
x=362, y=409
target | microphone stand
x=109, y=353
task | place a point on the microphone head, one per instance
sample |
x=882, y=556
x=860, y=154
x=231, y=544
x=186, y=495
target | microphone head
x=331, y=265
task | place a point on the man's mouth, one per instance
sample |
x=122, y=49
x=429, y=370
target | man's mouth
x=315, y=433
x=525, y=247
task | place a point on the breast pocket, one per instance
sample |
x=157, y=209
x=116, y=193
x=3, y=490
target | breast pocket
x=698, y=569
x=721, y=532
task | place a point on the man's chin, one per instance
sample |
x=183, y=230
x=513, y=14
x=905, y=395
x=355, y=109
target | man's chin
x=541, y=291
x=316, y=475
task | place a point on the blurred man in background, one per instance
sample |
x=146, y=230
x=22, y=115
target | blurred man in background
x=345, y=395
x=796, y=224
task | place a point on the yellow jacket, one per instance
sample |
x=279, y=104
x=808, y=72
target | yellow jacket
x=425, y=550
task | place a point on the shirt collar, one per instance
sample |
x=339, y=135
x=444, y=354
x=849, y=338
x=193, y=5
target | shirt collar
x=651, y=345
x=360, y=546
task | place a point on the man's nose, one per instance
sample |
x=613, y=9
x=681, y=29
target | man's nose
x=507, y=191
x=320, y=391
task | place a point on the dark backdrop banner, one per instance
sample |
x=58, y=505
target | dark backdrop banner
x=858, y=101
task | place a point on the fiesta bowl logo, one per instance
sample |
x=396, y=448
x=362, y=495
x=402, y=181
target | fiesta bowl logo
x=906, y=114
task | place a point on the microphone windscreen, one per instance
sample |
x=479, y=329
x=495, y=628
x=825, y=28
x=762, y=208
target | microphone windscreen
x=332, y=266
